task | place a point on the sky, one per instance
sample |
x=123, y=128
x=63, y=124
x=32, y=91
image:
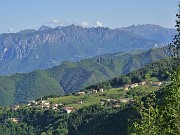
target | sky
x=16, y=15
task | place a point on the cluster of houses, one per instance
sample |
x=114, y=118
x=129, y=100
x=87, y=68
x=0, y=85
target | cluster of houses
x=44, y=104
x=116, y=102
x=131, y=86
x=103, y=102
x=47, y=105
x=91, y=92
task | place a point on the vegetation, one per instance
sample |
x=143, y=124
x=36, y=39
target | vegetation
x=90, y=117
x=159, y=112
x=153, y=110
x=113, y=93
x=155, y=71
x=29, y=50
x=88, y=120
x=71, y=77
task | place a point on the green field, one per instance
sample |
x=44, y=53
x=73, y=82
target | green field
x=92, y=99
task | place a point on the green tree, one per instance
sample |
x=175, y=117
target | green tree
x=169, y=107
x=162, y=116
x=147, y=76
x=146, y=123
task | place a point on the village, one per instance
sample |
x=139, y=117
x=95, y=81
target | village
x=114, y=102
x=47, y=104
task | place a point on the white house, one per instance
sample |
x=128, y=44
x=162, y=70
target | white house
x=68, y=109
x=101, y=90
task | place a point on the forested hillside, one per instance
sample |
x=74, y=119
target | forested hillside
x=72, y=77
x=94, y=119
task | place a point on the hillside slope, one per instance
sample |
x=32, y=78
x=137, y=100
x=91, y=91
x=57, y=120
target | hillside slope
x=73, y=76
x=94, y=115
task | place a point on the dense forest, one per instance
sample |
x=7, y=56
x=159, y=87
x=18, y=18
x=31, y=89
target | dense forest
x=89, y=120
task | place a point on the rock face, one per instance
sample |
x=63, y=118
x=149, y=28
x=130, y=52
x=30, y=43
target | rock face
x=28, y=50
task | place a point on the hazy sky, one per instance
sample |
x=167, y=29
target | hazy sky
x=16, y=15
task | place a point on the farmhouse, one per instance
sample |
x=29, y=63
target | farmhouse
x=132, y=86
x=94, y=91
x=31, y=103
x=125, y=100
x=136, y=84
x=81, y=93
x=156, y=83
x=45, y=105
x=55, y=106
x=142, y=83
x=101, y=90
x=68, y=109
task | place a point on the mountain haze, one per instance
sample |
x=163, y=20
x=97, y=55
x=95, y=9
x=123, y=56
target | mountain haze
x=47, y=47
x=152, y=32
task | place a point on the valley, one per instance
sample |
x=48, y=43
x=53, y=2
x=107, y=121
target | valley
x=71, y=77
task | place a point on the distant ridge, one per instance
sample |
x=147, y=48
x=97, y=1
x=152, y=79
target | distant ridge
x=152, y=32
x=47, y=47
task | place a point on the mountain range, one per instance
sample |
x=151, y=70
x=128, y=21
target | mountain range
x=71, y=77
x=47, y=47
